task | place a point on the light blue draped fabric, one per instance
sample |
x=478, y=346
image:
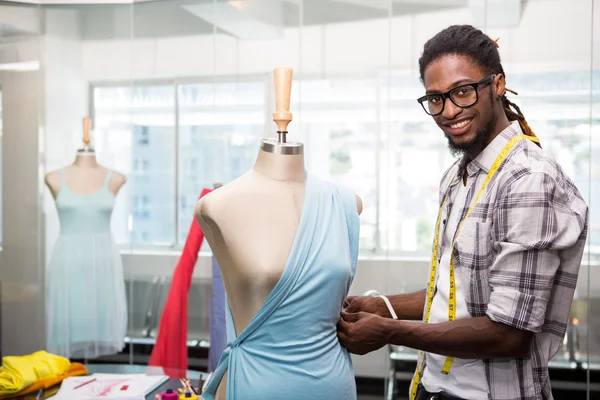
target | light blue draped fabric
x=290, y=349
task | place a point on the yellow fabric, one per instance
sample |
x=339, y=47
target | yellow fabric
x=20, y=372
x=76, y=369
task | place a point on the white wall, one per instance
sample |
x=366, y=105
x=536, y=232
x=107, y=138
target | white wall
x=21, y=272
x=40, y=128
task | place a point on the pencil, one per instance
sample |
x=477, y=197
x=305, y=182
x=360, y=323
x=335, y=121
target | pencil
x=187, y=385
x=191, y=386
x=84, y=383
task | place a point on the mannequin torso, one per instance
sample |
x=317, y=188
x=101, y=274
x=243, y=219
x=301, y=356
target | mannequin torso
x=85, y=176
x=250, y=225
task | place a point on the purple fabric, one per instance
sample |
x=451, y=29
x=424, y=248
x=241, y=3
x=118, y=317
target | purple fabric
x=218, y=331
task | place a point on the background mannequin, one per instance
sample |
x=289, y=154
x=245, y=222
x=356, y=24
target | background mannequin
x=86, y=310
x=251, y=222
x=85, y=176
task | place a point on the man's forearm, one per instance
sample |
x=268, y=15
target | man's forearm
x=408, y=306
x=473, y=338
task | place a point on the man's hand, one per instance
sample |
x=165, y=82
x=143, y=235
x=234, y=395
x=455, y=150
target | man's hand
x=367, y=304
x=408, y=306
x=362, y=332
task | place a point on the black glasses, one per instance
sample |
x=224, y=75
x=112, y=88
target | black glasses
x=462, y=96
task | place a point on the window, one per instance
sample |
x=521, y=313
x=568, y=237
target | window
x=338, y=122
x=183, y=203
x=141, y=206
x=367, y=133
x=190, y=169
x=134, y=131
x=220, y=126
x=142, y=135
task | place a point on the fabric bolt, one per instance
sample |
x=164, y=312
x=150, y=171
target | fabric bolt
x=217, y=324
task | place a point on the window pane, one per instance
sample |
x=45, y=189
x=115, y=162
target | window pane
x=414, y=157
x=338, y=118
x=220, y=127
x=562, y=122
x=135, y=135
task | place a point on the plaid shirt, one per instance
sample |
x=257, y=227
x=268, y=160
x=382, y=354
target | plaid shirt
x=518, y=256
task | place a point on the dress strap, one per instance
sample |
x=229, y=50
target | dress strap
x=63, y=180
x=108, y=174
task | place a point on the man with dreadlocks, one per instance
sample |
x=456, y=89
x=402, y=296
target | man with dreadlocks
x=507, y=247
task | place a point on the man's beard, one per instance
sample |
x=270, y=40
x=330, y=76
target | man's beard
x=474, y=147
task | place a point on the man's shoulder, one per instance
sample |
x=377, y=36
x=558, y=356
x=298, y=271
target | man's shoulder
x=531, y=159
x=531, y=162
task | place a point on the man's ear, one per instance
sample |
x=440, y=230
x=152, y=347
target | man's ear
x=500, y=85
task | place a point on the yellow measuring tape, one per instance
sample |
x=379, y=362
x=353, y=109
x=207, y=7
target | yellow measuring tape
x=434, y=258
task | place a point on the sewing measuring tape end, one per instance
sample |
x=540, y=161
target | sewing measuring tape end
x=375, y=293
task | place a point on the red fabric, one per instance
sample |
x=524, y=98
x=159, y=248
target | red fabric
x=170, y=350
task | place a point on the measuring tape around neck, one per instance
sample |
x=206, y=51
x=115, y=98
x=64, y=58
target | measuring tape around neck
x=452, y=294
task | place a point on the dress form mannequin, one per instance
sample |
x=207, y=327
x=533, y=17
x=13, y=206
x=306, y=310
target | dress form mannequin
x=251, y=222
x=85, y=176
x=86, y=310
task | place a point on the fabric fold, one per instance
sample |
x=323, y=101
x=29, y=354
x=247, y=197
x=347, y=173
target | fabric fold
x=20, y=372
x=75, y=369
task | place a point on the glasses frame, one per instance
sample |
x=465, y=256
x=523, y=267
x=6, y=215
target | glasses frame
x=474, y=85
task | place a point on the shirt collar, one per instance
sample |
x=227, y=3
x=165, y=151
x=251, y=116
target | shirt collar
x=486, y=158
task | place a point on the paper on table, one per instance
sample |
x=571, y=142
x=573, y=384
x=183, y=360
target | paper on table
x=109, y=386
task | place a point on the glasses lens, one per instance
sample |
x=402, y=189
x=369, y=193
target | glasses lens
x=464, y=96
x=434, y=104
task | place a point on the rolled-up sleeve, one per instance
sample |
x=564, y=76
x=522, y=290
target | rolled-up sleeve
x=533, y=221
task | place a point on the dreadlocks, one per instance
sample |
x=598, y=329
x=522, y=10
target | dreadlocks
x=469, y=41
